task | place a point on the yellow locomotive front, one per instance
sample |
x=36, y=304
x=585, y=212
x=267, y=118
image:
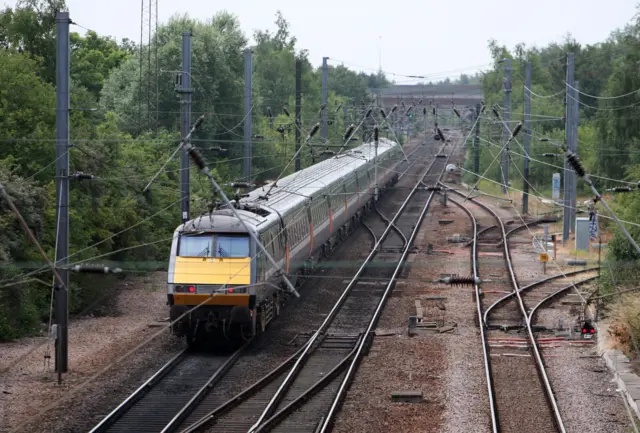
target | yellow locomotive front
x=209, y=280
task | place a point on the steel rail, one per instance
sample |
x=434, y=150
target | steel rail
x=202, y=392
x=245, y=394
x=533, y=285
x=309, y=393
x=534, y=345
x=123, y=407
x=495, y=426
x=334, y=311
x=559, y=292
x=346, y=381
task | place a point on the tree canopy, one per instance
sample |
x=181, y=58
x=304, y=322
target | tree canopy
x=110, y=216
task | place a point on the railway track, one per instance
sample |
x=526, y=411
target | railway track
x=516, y=387
x=163, y=398
x=180, y=392
x=305, y=391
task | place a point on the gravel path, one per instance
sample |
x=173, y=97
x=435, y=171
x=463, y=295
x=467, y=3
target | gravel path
x=29, y=388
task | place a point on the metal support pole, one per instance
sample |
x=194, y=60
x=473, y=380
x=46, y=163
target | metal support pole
x=185, y=124
x=298, y=107
x=476, y=143
x=527, y=136
x=426, y=126
x=62, y=188
x=323, y=124
x=375, y=168
x=248, y=106
x=574, y=148
x=566, y=198
x=507, y=118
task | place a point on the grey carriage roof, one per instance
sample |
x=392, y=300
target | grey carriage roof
x=299, y=187
x=294, y=189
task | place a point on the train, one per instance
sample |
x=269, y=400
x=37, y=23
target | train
x=220, y=283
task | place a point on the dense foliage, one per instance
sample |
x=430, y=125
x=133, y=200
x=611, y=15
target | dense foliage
x=112, y=139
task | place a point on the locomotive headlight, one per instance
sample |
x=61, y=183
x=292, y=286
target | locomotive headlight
x=451, y=168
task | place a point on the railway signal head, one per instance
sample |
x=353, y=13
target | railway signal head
x=588, y=330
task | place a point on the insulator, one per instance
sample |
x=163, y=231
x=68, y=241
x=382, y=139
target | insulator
x=440, y=134
x=408, y=110
x=434, y=111
x=368, y=112
x=395, y=107
x=495, y=112
x=286, y=111
x=516, y=129
x=198, y=122
x=420, y=102
x=79, y=176
x=314, y=130
x=424, y=111
x=269, y=113
x=95, y=269
x=338, y=108
x=327, y=153
x=455, y=110
x=574, y=162
x=384, y=115
x=621, y=189
x=402, y=102
x=349, y=131
x=550, y=155
x=376, y=133
x=196, y=157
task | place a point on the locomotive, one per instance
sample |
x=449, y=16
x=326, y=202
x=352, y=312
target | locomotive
x=218, y=280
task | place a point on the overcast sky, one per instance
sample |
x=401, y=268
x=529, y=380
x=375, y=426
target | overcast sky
x=418, y=37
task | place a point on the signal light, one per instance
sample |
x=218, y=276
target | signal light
x=192, y=289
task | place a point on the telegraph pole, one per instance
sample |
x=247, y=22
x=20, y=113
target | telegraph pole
x=566, y=198
x=574, y=148
x=323, y=124
x=298, y=107
x=248, y=121
x=185, y=124
x=62, y=189
x=527, y=136
x=507, y=118
x=476, y=142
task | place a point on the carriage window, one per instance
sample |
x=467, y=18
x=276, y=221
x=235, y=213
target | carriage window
x=232, y=246
x=196, y=246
